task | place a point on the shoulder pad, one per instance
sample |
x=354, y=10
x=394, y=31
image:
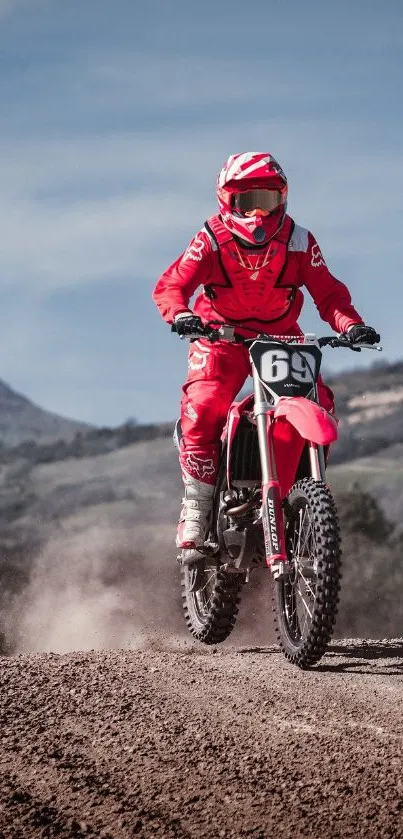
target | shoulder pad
x=299, y=239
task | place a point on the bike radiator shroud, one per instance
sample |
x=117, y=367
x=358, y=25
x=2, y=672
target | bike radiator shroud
x=244, y=460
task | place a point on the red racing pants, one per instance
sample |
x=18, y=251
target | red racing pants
x=216, y=373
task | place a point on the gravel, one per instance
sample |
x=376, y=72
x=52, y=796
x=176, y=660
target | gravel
x=179, y=740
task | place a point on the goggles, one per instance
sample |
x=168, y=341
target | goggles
x=257, y=199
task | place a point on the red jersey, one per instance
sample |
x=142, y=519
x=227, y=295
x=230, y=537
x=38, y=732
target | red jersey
x=259, y=288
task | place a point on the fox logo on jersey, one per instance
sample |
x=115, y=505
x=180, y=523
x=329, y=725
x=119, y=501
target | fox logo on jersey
x=199, y=467
x=195, y=250
x=316, y=257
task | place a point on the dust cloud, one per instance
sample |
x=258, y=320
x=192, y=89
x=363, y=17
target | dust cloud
x=110, y=588
x=102, y=589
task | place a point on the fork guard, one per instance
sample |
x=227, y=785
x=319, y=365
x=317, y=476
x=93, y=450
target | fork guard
x=312, y=422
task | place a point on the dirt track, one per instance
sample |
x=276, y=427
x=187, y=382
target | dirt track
x=185, y=741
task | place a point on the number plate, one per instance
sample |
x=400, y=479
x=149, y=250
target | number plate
x=289, y=369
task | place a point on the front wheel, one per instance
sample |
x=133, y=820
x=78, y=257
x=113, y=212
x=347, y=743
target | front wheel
x=306, y=598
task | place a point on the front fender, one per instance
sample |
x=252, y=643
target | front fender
x=311, y=421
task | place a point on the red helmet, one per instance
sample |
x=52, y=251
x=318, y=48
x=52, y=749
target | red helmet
x=252, y=196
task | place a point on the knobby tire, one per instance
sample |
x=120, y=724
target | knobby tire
x=210, y=613
x=314, y=551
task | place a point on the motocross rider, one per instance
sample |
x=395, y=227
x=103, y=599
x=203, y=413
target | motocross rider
x=251, y=260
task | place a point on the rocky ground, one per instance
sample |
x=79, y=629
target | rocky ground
x=174, y=739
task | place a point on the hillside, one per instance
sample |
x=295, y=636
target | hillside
x=21, y=419
x=370, y=407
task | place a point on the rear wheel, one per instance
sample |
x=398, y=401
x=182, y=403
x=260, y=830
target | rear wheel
x=210, y=610
x=210, y=594
x=306, y=599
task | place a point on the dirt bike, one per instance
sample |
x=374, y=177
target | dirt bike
x=272, y=505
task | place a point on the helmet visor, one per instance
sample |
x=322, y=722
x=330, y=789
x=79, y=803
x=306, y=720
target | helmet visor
x=257, y=199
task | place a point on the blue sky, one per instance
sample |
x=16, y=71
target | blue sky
x=115, y=117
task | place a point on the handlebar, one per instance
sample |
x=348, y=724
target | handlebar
x=225, y=332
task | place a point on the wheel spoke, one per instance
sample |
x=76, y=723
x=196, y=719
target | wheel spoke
x=205, y=594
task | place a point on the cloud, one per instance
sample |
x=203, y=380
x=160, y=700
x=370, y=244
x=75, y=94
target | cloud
x=10, y=7
x=115, y=164
x=7, y=7
x=108, y=160
x=78, y=212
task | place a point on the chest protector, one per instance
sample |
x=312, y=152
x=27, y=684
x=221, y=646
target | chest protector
x=250, y=287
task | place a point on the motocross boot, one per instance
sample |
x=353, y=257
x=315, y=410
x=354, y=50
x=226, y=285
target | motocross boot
x=194, y=520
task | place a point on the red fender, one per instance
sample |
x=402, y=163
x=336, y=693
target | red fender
x=311, y=421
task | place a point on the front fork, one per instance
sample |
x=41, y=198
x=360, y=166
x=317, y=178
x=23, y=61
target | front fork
x=317, y=461
x=272, y=514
